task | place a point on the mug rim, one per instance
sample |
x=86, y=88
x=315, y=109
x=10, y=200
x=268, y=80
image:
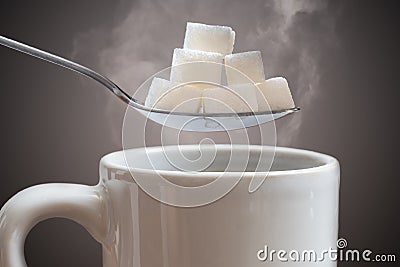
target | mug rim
x=327, y=162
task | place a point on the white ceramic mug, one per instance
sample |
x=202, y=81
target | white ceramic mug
x=296, y=208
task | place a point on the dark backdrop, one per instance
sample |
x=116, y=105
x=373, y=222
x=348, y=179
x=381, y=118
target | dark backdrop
x=56, y=125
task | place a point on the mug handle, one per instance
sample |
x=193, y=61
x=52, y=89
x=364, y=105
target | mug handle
x=83, y=204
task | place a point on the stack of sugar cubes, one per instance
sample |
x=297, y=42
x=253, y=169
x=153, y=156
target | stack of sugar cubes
x=196, y=77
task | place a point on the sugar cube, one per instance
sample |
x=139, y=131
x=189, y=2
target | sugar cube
x=276, y=93
x=209, y=38
x=192, y=65
x=242, y=98
x=248, y=63
x=167, y=95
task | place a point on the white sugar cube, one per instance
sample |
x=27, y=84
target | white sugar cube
x=249, y=63
x=242, y=98
x=192, y=65
x=167, y=95
x=209, y=38
x=276, y=93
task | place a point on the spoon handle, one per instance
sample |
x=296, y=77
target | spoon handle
x=32, y=51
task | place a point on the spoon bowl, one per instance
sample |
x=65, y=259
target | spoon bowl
x=210, y=122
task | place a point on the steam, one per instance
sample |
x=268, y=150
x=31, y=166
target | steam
x=294, y=43
x=291, y=35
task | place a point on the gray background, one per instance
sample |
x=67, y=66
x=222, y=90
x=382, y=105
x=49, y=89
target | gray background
x=341, y=58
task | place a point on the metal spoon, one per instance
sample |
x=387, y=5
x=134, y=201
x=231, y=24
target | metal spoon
x=203, y=122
